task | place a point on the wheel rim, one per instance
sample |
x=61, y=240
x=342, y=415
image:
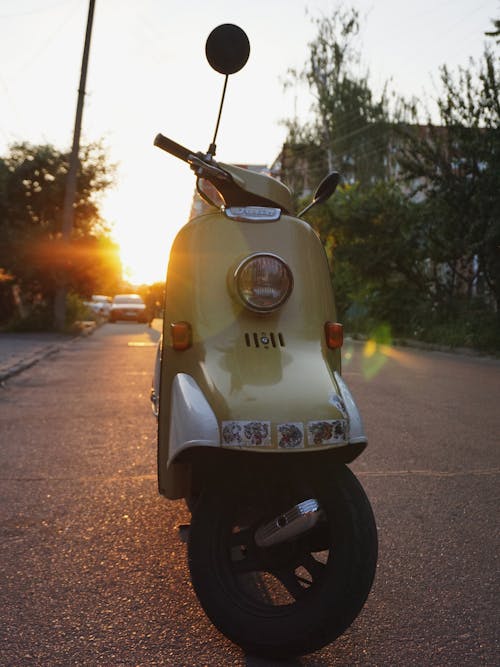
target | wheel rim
x=285, y=598
x=272, y=579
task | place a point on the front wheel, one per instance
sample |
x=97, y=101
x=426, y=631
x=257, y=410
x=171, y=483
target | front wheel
x=294, y=596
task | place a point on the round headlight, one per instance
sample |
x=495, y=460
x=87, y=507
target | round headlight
x=263, y=281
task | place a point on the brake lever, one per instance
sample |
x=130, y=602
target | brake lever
x=203, y=169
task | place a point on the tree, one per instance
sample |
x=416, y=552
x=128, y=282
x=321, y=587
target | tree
x=349, y=131
x=455, y=168
x=496, y=30
x=420, y=253
x=32, y=184
x=371, y=238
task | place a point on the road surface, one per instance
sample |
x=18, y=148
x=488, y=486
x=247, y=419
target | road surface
x=92, y=568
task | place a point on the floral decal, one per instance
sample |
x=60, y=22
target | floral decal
x=327, y=432
x=257, y=433
x=290, y=436
x=231, y=433
x=246, y=433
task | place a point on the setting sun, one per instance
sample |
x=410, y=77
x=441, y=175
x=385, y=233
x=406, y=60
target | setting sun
x=145, y=214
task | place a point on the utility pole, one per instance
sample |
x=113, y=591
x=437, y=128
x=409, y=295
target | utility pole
x=74, y=162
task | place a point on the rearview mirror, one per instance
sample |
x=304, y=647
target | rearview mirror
x=227, y=48
x=324, y=191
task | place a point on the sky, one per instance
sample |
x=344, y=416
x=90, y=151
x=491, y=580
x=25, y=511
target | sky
x=147, y=73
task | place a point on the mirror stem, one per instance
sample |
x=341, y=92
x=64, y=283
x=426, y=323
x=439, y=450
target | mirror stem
x=304, y=210
x=212, y=147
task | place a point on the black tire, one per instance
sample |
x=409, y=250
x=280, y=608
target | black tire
x=295, y=597
x=191, y=502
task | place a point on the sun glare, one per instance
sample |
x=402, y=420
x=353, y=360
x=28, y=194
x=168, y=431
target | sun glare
x=144, y=262
x=145, y=217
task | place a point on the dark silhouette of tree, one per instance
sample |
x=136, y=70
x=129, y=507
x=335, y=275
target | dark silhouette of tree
x=32, y=251
x=455, y=168
x=349, y=132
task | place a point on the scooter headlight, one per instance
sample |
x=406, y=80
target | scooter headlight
x=264, y=282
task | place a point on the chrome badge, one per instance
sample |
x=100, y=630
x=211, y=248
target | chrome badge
x=253, y=213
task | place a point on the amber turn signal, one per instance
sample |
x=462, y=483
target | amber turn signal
x=182, y=338
x=334, y=334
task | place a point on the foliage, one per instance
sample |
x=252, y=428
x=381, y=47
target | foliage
x=381, y=274
x=349, y=132
x=154, y=298
x=455, y=169
x=372, y=241
x=419, y=254
x=32, y=251
x=33, y=181
x=39, y=316
x=495, y=32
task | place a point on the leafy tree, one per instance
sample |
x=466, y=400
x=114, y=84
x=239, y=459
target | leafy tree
x=154, y=297
x=349, y=132
x=32, y=252
x=455, y=170
x=371, y=238
x=496, y=30
x=423, y=253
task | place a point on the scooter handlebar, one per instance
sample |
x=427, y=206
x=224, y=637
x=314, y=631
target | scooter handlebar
x=199, y=163
x=173, y=148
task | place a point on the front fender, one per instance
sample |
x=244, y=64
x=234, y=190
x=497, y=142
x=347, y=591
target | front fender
x=192, y=421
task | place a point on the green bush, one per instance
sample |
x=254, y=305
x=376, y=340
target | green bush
x=468, y=324
x=77, y=311
x=41, y=316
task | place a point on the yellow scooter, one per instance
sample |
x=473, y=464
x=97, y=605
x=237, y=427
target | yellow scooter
x=255, y=423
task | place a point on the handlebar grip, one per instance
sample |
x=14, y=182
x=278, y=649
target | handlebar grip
x=172, y=147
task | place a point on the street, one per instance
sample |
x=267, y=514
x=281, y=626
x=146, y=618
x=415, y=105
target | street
x=94, y=571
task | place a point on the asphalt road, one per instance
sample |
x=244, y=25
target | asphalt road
x=92, y=568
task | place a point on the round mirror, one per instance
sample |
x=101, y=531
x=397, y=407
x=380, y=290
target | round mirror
x=327, y=187
x=227, y=48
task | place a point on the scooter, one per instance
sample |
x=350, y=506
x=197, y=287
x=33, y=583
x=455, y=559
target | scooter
x=255, y=423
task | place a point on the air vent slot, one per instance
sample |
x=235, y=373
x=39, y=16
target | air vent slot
x=264, y=340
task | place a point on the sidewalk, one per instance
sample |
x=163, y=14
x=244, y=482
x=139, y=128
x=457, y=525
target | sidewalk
x=19, y=351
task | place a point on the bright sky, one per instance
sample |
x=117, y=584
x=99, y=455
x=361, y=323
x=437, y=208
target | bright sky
x=148, y=74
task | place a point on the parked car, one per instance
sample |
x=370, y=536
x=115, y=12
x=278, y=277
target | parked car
x=128, y=307
x=99, y=305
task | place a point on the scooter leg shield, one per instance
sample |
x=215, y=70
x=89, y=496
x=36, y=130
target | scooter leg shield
x=192, y=420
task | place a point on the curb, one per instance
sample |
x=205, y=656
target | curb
x=428, y=347
x=29, y=361
x=85, y=329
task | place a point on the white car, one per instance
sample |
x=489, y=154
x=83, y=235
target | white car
x=99, y=304
x=128, y=307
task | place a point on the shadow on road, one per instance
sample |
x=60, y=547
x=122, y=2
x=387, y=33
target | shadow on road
x=309, y=661
x=251, y=661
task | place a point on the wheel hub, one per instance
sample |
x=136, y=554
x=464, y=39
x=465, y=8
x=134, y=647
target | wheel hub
x=295, y=521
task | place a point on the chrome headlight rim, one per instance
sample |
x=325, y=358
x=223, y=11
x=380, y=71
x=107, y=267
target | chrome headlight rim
x=244, y=301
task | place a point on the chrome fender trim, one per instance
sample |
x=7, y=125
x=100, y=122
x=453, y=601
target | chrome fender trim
x=192, y=420
x=356, y=430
